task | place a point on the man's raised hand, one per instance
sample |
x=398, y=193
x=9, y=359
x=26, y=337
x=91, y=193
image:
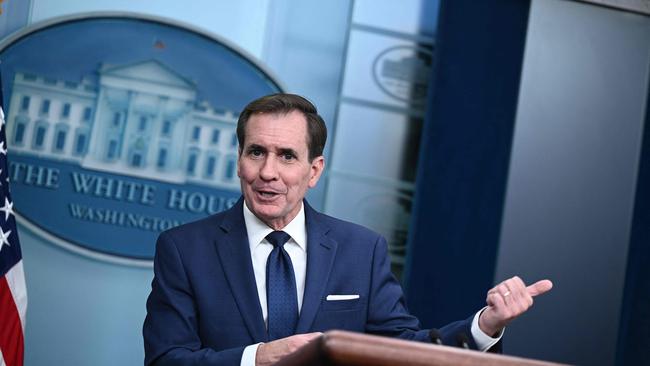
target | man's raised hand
x=508, y=300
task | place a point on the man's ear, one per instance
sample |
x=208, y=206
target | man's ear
x=317, y=167
x=238, y=162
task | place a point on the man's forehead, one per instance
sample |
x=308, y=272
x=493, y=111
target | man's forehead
x=278, y=130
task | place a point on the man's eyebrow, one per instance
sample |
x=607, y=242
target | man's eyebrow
x=287, y=150
x=255, y=147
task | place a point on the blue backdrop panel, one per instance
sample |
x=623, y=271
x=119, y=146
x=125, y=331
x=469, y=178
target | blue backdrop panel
x=634, y=332
x=464, y=158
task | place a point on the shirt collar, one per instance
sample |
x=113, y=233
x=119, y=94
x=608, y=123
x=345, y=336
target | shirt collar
x=257, y=230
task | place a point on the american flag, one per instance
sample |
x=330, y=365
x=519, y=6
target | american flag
x=13, y=295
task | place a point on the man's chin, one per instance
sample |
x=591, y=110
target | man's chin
x=266, y=211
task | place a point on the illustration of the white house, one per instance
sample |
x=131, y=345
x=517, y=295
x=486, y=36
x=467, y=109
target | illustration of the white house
x=140, y=119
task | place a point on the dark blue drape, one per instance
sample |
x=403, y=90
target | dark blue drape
x=464, y=157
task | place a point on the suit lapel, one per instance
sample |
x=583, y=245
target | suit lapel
x=321, y=252
x=235, y=256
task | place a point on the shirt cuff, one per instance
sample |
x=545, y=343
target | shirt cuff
x=248, y=357
x=483, y=341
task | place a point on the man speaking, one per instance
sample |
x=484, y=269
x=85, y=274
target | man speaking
x=252, y=284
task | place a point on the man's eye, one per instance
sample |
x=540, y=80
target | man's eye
x=288, y=156
x=256, y=153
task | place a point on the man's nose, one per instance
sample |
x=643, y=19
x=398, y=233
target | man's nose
x=269, y=169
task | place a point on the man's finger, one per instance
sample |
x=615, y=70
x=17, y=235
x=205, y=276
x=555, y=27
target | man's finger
x=495, y=300
x=311, y=336
x=539, y=287
x=519, y=281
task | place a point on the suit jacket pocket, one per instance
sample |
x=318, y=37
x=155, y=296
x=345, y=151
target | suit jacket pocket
x=342, y=305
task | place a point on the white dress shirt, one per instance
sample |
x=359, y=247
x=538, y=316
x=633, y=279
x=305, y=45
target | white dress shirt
x=296, y=247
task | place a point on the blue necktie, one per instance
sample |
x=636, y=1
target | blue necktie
x=281, y=298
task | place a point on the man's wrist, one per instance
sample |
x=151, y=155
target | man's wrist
x=249, y=355
x=483, y=341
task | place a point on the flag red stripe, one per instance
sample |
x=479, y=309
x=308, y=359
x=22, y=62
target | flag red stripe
x=11, y=330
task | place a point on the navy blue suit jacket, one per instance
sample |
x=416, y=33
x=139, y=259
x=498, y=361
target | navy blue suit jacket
x=204, y=309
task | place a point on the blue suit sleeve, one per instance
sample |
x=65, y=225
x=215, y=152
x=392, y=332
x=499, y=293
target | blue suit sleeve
x=170, y=331
x=387, y=311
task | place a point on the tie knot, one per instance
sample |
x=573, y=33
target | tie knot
x=278, y=238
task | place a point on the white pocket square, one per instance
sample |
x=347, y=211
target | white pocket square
x=341, y=297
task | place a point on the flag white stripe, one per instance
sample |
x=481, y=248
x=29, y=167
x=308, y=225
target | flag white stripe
x=16, y=280
x=2, y=359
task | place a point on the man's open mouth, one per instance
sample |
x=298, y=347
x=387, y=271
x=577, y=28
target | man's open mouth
x=267, y=194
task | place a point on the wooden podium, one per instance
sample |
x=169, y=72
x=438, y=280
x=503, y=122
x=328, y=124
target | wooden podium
x=353, y=349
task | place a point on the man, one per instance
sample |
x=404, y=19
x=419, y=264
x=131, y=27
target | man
x=228, y=290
